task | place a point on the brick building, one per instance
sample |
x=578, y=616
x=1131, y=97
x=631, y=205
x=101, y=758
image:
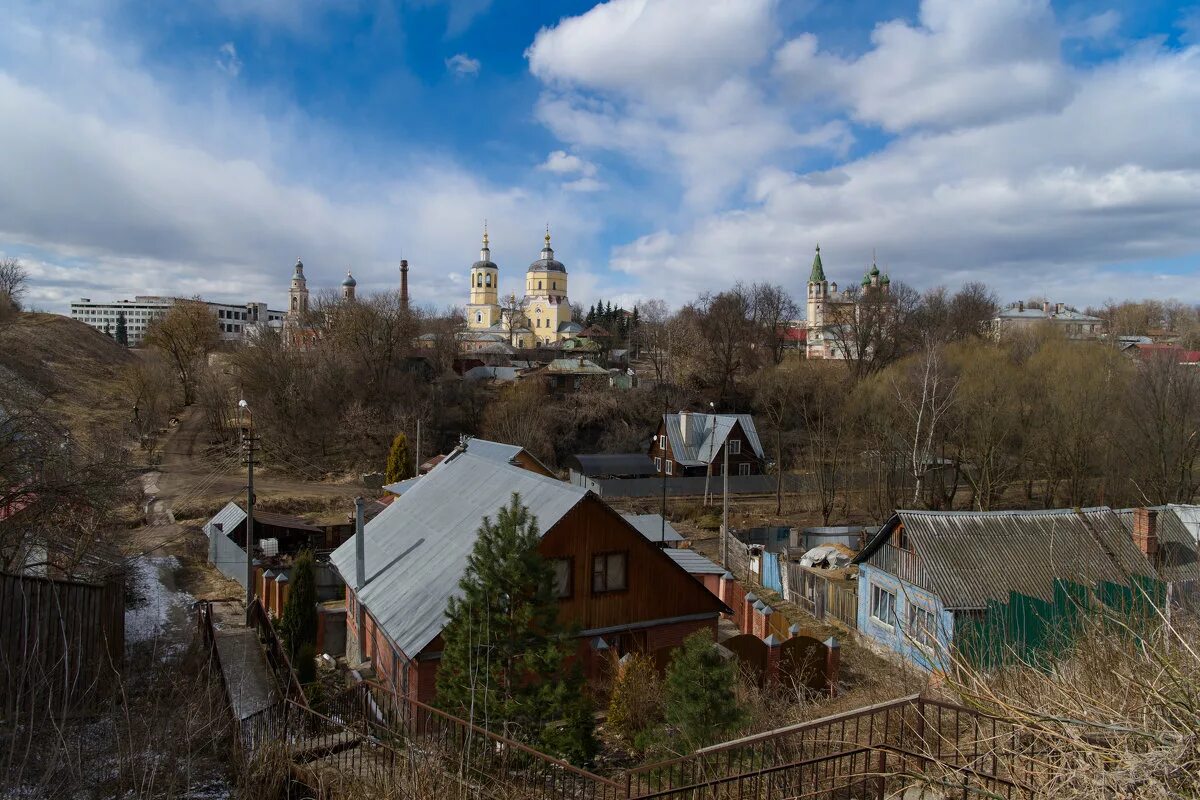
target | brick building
x=620, y=590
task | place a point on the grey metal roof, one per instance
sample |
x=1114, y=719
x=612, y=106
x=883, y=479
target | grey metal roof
x=651, y=526
x=575, y=366
x=491, y=373
x=570, y=326
x=612, y=464
x=417, y=548
x=1177, y=547
x=694, y=563
x=225, y=520
x=400, y=487
x=973, y=557
x=710, y=431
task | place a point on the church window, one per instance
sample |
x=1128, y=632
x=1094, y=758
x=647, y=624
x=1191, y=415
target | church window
x=489, y=280
x=472, y=280
x=293, y=304
x=479, y=316
x=539, y=284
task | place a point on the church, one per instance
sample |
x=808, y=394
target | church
x=542, y=316
x=826, y=306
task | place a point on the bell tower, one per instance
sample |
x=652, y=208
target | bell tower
x=818, y=296
x=483, y=310
x=298, y=293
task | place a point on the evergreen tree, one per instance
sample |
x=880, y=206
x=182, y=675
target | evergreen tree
x=504, y=659
x=122, y=332
x=398, y=466
x=608, y=313
x=591, y=315
x=299, y=624
x=699, y=692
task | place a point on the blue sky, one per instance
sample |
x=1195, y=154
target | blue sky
x=674, y=146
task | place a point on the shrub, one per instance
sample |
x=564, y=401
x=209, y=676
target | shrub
x=700, y=700
x=636, y=702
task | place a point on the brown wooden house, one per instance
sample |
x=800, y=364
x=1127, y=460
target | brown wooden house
x=691, y=444
x=620, y=590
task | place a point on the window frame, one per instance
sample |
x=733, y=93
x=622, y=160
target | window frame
x=878, y=590
x=670, y=467
x=570, y=591
x=606, y=554
x=658, y=465
x=735, y=447
x=744, y=468
x=923, y=636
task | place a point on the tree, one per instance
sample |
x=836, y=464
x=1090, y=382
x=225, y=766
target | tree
x=874, y=330
x=523, y=414
x=636, y=703
x=14, y=279
x=925, y=390
x=775, y=399
x=399, y=463
x=122, y=331
x=504, y=659
x=1162, y=407
x=186, y=334
x=773, y=310
x=700, y=701
x=728, y=332
x=299, y=623
x=819, y=403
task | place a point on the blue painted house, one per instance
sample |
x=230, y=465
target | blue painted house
x=927, y=574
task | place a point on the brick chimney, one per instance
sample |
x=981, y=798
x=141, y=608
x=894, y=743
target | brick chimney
x=404, y=282
x=1045, y=306
x=1145, y=533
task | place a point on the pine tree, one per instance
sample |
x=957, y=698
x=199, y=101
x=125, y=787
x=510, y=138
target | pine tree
x=122, y=332
x=591, y=315
x=398, y=466
x=299, y=624
x=608, y=313
x=699, y=692
x=504, y=659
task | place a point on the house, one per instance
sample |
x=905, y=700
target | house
x=690, y=444
x=1152, y=351
x=275, y=535
x=499, y=452
x=619, y=590
x=1072, y=322
x=1170, y=538
x=609, y=465
x=572, y=374
x=928, y=577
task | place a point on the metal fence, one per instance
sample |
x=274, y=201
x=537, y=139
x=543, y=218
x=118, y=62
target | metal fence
x=62, y=643
x=691, y=486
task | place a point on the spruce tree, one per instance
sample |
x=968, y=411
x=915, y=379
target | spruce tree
x=398, y=466
x=299, y=623
x=122, y=332
x=504, y=660
x=699, y=692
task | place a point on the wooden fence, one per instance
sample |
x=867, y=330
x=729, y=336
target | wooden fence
x=62, y=643
x=826, y=598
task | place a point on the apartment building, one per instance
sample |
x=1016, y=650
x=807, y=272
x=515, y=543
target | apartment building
x=233, y=321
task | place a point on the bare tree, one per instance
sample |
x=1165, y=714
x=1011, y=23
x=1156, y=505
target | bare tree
x=821, y=409
x=185, y=335
x=772, y=312
x=512, y=316
x=776, y=399
x=874, y=329
x=727, y=329
x=925, y=391
x=13, y=285
x=1162, y=408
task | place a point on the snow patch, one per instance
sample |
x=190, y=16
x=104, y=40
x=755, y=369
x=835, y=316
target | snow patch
x=160, y=606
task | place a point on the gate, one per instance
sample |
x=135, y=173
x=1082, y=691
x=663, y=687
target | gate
x=802, y=663
x=751, y=653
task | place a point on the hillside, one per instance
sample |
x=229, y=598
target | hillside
x=70, y=368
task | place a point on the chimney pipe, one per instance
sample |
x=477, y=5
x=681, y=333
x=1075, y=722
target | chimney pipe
x=1045, y=306
x=1145, y=534
x=360, y=548
x=404, y=282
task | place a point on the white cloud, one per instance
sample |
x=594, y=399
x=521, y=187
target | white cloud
x=463, y=66
x=966, y=63
x=228, y=60
x=563, y=163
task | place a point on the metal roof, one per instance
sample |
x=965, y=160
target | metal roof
x=225, y=520
x=608, y=464
x=575, y=366
x=417, y=548
x=709, y=434
x=973, y=557
x=491, y=373
x=651, y=526
x=232, y=515
x=1179, y=559
x=693, y=563
x=400, y=487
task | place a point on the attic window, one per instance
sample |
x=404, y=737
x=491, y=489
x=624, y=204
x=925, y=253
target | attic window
x=735, y=447
x=900, y=537
x=608, y=572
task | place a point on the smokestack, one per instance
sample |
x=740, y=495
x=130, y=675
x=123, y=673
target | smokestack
x=404, y=282
x=360, y=548
x=1145, y=533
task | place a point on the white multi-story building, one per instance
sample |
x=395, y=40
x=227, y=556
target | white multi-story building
x=235, y=322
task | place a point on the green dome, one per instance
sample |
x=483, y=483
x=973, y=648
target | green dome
x=866, y=281
x=886, y=279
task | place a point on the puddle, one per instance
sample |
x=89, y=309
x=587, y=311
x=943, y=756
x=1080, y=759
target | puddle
x=161, y=612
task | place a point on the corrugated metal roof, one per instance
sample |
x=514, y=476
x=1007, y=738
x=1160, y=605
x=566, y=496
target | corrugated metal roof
x=651, y=526
x=227, y=518
x=417, y=548
x=400, y=487
x=494, y=451
x=284, y=521
x=974, y=557
x=710, y=432
x=694, y=563
x=1177, y=548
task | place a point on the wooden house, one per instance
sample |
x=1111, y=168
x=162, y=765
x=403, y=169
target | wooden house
x=619, y=589
x=691, y=444
x=927, y=577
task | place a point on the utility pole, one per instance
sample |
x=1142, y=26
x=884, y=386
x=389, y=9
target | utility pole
x=725, y=512
x=248, y=446
x=662, y=446
x=417, y=458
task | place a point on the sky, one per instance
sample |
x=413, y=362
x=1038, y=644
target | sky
x=673, y=147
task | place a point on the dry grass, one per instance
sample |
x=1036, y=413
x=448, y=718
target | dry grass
x=1118, y=716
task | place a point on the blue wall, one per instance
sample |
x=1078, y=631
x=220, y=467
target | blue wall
x=897, y=637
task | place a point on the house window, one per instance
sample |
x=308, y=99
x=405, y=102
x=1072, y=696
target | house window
x=735, y=447
x=883, y=606
x=657, y=464
x=608, y=572
x=670, y=467
x=563, y=587
x=743, y=469
x=922, y=626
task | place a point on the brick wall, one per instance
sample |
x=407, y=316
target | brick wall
x=673, y=634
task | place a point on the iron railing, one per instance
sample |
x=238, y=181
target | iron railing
x=277, y=656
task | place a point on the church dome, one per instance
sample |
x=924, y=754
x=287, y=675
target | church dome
x=484, y=265
x=349, y=280
x=547, y=262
